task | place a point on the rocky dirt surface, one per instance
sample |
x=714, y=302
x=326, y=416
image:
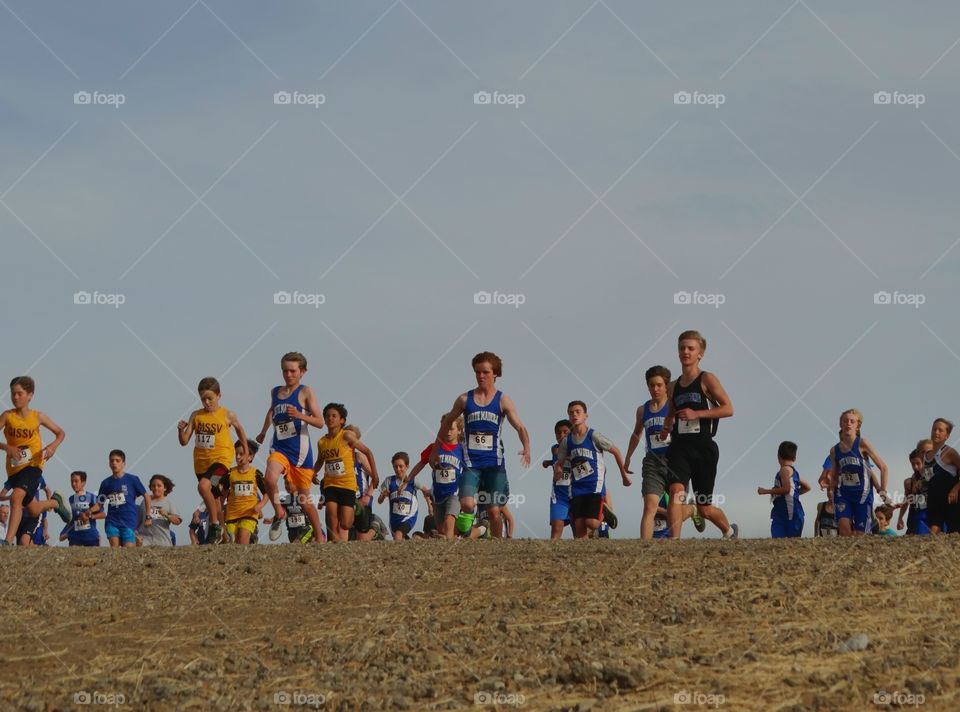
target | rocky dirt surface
x=535, y=625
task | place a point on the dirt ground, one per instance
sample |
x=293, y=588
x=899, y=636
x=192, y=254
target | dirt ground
x=534, y=625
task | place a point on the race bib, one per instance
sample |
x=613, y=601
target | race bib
x=117, y=499
x=205, y=441
x=286, y=430
x=402, y=507
x=80, y=525
x=295, y=521
x=849, y=479
x=659, y=525
x=688, y=427
x=445, y=476
x=584, y=469
x=481, y=441
x=565, y=478
x=24, y=457
x=155, y=513
x=334, y=468
x=655, y=440
x=920, y=501
x=243, y=489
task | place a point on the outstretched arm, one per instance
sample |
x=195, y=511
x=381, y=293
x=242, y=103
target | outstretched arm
x=510, y=412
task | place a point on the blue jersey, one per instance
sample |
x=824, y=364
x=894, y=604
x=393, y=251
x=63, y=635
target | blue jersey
x=361, y=479
x=787, y=507
x=855, y=483
x=586, y=465
x=82, y=532
x=446, y=478
x=290, y=437
x=482, y=425
x=403, y=503
x=561, y=488
x=121, y=493
x=828, y=463
x=653, y=424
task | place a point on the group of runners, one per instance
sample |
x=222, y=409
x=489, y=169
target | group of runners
x=469, y=490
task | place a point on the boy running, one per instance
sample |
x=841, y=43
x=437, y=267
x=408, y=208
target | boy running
x=941, y=468
x=120, y=491
x=240, y=488
x=213, y=449
x=82, y=529
x=850, y=478
x=446, y=479
x=26, y=456
x=559, y=489
x=915, y=489
x=161, y=512
x=786, y=517
x=402, y=492
x=484, y=409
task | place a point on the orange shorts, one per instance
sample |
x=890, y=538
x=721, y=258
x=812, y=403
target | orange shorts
x=301, y=478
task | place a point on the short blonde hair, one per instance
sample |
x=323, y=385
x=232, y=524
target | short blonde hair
x=855, y=412
x=696, y=336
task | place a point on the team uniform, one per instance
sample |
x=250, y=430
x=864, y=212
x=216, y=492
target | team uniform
x=213, y=450
x=827, y=522
x=121, y=493
x=941, y=478
x=24, y=471
x=339, y=470
x=655, y=474
x=291, y=445
x=200, y=529
x=560, y=491
x=298, y=526
x=446, y=479
x=692, y=455
x=786, y=516
x=853, y=498
x=242, y=490
x=917, y=510
x=588, y=472
x=80, y=533
x=484, y=470
x=403, y=505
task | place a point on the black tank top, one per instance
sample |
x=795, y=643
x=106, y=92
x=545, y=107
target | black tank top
x=694, y=398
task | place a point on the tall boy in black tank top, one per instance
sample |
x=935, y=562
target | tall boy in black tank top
x=697, y=402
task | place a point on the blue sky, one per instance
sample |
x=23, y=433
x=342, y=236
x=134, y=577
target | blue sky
x=398, y=198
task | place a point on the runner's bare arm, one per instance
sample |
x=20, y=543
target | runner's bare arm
x=723, y=408
x=804, y=486
x=634, y=439
x=671, y=413
x=510, y=412
x=241, y=433
x=58, y=435
x=267, y=421
x=310, y=412
x=185, y=429
x=455, y=412
x=868, y=450
x=367, y=452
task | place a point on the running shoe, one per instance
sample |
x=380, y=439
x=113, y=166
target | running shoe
x=699, y=524
x=610, y=518
x=4, y=542
x=62, y=509
x=276, y=529
x=215, y=535
x=734, y=531
x=307, y=536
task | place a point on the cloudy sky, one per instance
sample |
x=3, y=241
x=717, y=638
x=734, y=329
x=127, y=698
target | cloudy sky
x=788, y=165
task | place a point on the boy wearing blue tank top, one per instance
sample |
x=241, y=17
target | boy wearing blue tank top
x=941, y=469
x=583, y=448
x=560, y=489
x=786, y=516
x=850, y=477
x=696, y=401
x=914, y=505
x=484, y=409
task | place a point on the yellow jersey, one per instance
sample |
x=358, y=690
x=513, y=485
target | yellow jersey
x=241, y=489
x=338, y=465
x=24, y=433
x=212, y=443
